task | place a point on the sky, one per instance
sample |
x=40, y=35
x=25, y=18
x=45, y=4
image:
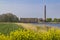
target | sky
x=31, y=8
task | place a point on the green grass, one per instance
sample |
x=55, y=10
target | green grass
x=6, y=28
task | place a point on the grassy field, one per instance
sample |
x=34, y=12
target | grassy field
x=6, y=28
x=24, y=31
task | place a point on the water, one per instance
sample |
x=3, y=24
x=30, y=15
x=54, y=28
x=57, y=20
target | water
x=48, y=24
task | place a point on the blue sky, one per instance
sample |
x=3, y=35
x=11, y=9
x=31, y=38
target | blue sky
x=30, y=8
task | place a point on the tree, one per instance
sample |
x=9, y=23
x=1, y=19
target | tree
x=49, y=19
x=9, y=17
x=58, y=20
x=55, y=20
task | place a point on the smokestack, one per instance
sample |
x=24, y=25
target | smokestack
x=44, y=13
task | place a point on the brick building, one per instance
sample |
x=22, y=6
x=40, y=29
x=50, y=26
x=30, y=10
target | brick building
x=30, y=20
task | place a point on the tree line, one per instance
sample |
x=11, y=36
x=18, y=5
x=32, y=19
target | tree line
x=53, y=20
x=9, y=17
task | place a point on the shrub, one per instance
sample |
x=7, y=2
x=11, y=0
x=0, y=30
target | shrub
x=51, y=34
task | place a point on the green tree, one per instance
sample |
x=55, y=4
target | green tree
x=58, y=20
x=8, y=17
x=49, y=19
x=55, y=20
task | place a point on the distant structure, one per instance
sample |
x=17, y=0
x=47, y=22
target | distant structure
x=44, y=3
x=31, y=20
x=44, y=13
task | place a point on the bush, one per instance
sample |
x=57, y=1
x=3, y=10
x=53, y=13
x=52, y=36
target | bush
x=51, y=34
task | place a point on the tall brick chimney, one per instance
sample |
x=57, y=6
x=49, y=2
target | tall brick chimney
x=44, y=13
